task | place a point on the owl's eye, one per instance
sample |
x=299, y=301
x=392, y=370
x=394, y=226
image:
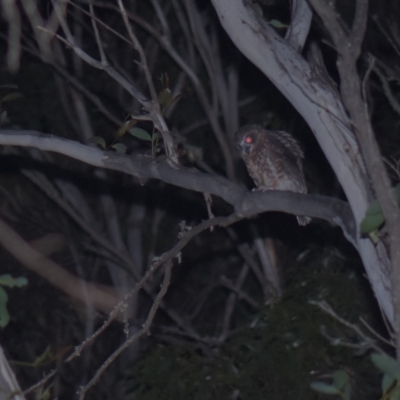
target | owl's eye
x=248, y=139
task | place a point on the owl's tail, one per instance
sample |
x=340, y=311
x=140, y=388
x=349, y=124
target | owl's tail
x=303, y=220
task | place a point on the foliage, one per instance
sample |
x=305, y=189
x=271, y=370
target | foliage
x=7, y=97
x=279, y=351
x=391, y=375
x=8, y=281
x=374, y=216
x=340, y=385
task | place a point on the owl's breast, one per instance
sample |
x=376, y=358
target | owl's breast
x=262, y=171
x=270, y=174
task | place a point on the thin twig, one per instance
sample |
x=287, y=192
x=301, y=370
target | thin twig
x=388, y=92
x=97, y=34
x=139, y=49
x=240, y=293
x=158, y=262
x=324, y=306
x=45, y=185
x=135, y=336
x=196, y=82
x=375, y=333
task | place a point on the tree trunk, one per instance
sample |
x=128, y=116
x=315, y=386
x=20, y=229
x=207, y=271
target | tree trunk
x=319, y=103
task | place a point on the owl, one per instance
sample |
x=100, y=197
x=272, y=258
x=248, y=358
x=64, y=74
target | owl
x=274, y=160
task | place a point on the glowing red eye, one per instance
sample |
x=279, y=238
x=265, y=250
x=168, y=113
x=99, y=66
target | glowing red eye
x=248, y=139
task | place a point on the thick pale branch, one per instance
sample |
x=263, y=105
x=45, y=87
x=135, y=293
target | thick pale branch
x=319, y=104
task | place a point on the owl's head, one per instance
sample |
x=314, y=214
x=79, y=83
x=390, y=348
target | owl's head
x=247, y=138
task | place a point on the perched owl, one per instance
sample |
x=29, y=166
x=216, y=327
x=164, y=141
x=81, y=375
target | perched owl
x=274, y=160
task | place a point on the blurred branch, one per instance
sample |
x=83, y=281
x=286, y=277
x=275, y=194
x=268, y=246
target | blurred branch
x=100, y=296
x=11, y=14
x=269, y=268
x=240, y=293
x=45, y=185
x=9, y=385
x=231, y=302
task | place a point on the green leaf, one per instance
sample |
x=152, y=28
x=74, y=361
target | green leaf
x=140, y=134
x=11, y=96
x=21, y=281
x=4, y=315
x=125, y=128
x=347, y=392
x=43, y=358
x=388, y=365
x=324, y=388
x=340, y=379
x=8, y=280
x=3, y=116
x=154, y=138
x=374, y=216
x=98, y=140
x=119, y=148
x=374, y=208
x=387, y=382
x=277, y=24
x=371, y=223
x=395, y=395
x=165, y=97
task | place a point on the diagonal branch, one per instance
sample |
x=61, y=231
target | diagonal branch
x=164, y=259
x=145, y=330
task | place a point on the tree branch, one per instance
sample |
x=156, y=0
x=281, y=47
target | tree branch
x=245, y=203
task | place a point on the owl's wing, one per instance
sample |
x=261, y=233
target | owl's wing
x=295, y=174
x=290, y=155
x=291, y=144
